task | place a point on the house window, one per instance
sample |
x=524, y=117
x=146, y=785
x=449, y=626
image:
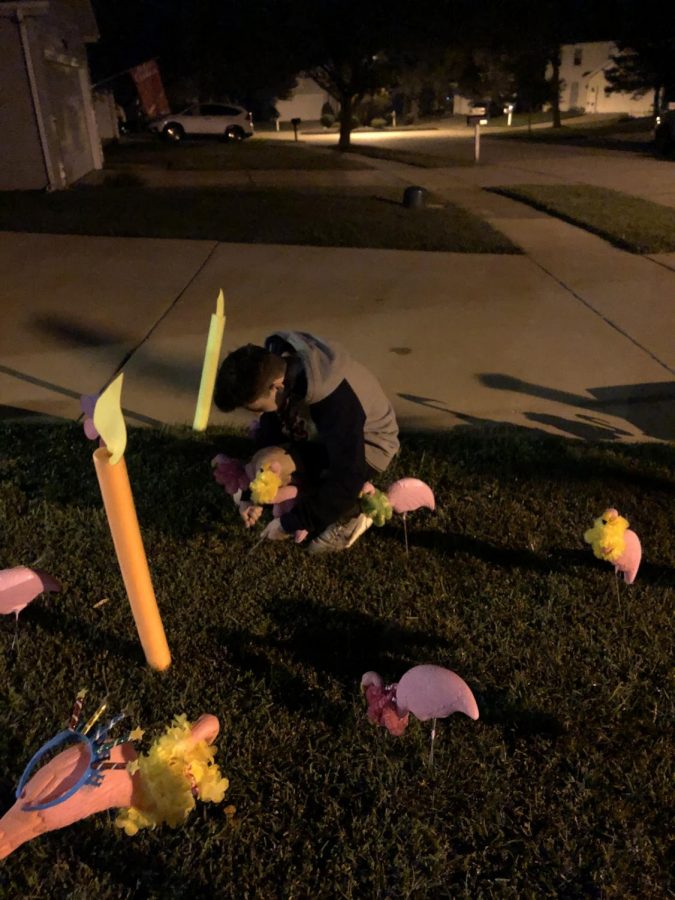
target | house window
x=578, y=53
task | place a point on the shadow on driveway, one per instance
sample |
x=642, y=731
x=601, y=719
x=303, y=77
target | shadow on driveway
x=648, y=406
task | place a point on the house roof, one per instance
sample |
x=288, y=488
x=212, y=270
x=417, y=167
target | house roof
x=29, y=7
x=78, y=13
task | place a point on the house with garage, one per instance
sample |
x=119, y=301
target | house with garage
x=305, y=101
x=47, y=115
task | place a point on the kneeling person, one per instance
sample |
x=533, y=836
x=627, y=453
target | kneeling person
x=331, y=415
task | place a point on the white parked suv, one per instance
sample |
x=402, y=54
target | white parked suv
x=230, y=122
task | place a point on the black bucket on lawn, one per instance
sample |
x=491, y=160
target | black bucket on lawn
x=414, y=197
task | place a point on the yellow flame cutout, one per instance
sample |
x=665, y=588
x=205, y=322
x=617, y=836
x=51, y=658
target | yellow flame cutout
x=210, y=366
x=109, y=421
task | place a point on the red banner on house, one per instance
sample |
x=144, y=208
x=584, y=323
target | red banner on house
x=150, y=89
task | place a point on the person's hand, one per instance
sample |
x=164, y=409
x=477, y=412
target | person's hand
x=274, y=531
x=250, y=513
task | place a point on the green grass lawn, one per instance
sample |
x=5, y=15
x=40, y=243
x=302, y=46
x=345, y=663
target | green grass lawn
x=561, y=788
x=521, y=119
x=630, y=223
x=608, y=134
x=255, y=154
x=328, y=218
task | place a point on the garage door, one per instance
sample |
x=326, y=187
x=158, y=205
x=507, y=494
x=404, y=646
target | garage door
x=69, y=120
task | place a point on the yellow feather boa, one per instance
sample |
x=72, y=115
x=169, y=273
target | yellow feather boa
x=174, y=769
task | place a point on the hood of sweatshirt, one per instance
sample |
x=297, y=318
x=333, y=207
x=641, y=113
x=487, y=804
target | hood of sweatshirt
x=325, y=364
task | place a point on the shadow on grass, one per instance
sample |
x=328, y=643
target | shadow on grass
x=169, y=471
x=256, y=215
x=142, y=872
x=340, y=646
x=517, y=721
x=332, y=644
x=507, y=558
x=97, y=639
x=452, y=544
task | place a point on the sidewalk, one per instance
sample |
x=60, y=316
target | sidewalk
x=573, y=337
x=631, y=292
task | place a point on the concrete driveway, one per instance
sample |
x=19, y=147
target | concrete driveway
x=634, y=170
x=572, y=337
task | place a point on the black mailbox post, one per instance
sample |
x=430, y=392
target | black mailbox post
x=296, y=124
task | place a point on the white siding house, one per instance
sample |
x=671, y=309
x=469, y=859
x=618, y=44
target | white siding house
x=306, y=101
x=582, y=70
x=47, y=118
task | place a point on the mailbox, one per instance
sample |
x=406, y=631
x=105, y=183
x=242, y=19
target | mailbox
x=479, y=114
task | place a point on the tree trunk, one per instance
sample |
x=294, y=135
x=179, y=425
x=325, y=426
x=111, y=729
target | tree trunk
x=346, y=110
x=657, y=99
x=555, y=88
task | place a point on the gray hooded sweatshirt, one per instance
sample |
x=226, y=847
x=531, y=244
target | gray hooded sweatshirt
x=352, y=416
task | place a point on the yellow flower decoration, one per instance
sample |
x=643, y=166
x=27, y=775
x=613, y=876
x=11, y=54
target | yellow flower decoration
x=606, y=537
x=172, y=773
x=265, y=486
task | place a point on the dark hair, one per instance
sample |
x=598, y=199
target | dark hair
x=244, y=375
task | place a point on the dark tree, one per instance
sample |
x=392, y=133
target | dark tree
x=346, y=43
x=530, y=34
x=356, y=48
x=646, y=58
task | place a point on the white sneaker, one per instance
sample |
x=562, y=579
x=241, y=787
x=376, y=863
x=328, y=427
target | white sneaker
x=341, y=535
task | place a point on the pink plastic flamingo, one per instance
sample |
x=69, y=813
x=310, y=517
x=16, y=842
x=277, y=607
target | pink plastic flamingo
x=427, y=691
x=382, y=708
x=629, y=561
x=117, y=789
x=407, y=495
x=19, y=586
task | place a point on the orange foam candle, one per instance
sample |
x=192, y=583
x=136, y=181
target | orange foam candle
x=126, y=534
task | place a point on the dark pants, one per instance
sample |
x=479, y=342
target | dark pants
x=311, y=460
